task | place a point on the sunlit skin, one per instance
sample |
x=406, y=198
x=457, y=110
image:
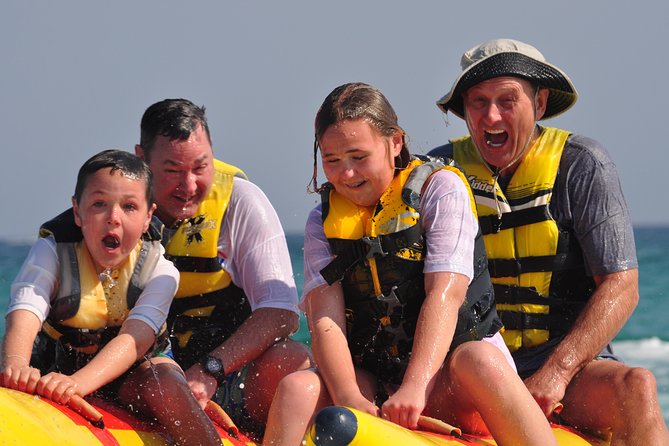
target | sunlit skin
x=113, y=214
x=358, y=160
x=501, y=114
x=183, y=172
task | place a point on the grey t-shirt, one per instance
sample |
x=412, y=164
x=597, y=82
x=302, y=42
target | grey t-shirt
x=588, y=200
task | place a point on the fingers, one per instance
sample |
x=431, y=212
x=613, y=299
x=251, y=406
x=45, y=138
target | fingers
x=405, y=416
x=374, y=410
x=23, y=378
x=201, y=392
x=29, y=378
x=57, y=387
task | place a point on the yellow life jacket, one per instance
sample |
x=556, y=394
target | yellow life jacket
x=379, y=258
x=87, y=312
x=207, y=307
x=527, y=252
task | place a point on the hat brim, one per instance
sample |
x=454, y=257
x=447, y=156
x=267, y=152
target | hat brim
x=562, y=93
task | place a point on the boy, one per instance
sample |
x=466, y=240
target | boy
x=92, y=298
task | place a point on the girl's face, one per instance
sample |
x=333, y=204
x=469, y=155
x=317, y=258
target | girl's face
x=112, y=214
x=358, y=160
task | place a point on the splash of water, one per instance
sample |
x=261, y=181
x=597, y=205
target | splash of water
x=107, y=278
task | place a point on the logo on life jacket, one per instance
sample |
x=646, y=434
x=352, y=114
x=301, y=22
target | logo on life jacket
x=195, y=225
x=480, y=185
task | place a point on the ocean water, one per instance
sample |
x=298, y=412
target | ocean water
x=643, y=341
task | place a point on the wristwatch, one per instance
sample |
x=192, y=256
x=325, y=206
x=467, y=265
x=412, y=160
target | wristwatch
x=213, y=366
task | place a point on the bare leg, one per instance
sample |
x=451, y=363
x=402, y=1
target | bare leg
x=162, y=391
x=608, y=396
x=263, y=377
x=478, y=390
x=298, y=397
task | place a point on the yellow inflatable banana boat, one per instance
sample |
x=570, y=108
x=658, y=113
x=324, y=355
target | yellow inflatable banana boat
x=30, y=420
x=339, y=426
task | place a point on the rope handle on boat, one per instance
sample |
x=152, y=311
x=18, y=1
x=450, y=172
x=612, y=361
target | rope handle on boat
x=555, y=417
x=438, y=426
x=84, y=408
x=220, y=417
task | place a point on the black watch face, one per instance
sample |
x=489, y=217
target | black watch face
x=213, y=365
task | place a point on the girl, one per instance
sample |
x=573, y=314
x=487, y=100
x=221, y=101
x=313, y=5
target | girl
x=397, y=292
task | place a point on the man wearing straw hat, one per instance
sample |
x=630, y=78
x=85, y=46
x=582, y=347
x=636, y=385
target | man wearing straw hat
x=559, y=241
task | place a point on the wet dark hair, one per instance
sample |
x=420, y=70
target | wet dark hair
x=357, y=101
x=127, y=163
x=172, y=118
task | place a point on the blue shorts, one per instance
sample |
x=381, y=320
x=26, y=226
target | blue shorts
x=529, y=360
x=230, y=396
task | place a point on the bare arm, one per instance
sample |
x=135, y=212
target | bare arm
x=445, y=293
x=606, y=312
x=112, y=361
x=21, y=330
x=327, y=324
x=130, y=345
x=256, y=334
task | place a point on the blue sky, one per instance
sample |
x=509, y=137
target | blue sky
x=76, y=77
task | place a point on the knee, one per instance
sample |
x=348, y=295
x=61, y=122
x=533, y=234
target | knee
x=156, y=386
x=302, y=385
x=288, y=355
x=638, y=384
x=167, y=378
x=482, y=358
x=474, y=355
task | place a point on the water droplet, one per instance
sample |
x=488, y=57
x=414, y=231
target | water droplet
x=107, y=278
x=177, y=423
x=241, y=385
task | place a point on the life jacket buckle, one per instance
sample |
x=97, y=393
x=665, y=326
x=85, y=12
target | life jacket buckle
x=375, y=246
x=391, y=301
x=495, y=223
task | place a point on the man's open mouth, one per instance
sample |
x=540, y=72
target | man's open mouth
x=495, y=138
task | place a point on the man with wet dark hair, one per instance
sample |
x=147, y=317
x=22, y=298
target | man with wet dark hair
x=237, y=302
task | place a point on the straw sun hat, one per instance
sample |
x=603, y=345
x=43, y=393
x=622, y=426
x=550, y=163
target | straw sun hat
x=506, y=57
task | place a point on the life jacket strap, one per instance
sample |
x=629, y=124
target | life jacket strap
x=487, y=326
x=516, y=267
x=516, y=295
x=353, y=251
x=556, y=323
x=492, y=224
x=224, y=301
x=196, y=264
x=80, y=338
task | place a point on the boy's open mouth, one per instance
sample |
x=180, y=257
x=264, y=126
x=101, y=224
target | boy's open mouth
x=111, y=242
